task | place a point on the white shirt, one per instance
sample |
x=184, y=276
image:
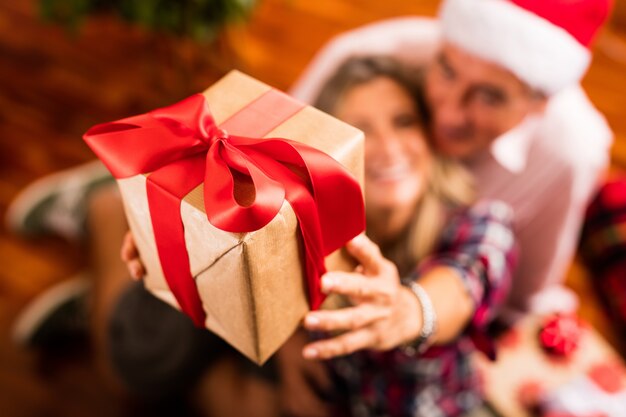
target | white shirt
x=546, y=168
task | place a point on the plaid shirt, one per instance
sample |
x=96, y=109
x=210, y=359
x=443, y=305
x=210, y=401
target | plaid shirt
x=480, y=245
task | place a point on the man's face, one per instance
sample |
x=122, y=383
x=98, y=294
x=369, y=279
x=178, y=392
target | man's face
x=474, y=101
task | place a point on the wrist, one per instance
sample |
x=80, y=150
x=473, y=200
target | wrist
x=427, y=319
x=413, y=320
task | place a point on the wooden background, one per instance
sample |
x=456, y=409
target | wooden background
x=53, y=86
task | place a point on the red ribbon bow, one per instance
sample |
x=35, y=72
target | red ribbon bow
x=560, y=334
x=182, y=147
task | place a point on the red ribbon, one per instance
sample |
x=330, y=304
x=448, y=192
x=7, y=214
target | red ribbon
x=560, y=334
x=182, y=147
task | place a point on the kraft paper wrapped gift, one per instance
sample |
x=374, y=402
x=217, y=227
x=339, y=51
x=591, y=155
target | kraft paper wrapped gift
x=251, y=285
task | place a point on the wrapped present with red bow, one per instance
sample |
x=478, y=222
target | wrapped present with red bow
x=238, y=199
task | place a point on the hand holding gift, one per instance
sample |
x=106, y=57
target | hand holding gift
x=385, y=313
x=220, y=217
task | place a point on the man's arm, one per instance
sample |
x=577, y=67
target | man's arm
x=548, y=243
x=413, y=40
x=576, y=139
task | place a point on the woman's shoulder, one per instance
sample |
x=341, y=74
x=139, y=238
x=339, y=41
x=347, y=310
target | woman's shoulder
x=486, y=209
x=485, y=219
x=489, y=208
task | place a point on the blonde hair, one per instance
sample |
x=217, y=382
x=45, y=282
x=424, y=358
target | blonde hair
x=449, y=187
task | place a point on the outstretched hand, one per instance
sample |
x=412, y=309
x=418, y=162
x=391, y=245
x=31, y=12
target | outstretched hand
x=384, y=314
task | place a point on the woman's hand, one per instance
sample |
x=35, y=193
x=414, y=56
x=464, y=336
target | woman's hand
x=385, y=314
x=130, y=256
x=302, y=382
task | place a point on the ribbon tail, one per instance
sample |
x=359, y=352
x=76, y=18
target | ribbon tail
x=304, y=207
x=169, y=233
x=315, y=268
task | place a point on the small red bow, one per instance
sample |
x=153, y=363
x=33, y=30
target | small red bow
x=560, y=334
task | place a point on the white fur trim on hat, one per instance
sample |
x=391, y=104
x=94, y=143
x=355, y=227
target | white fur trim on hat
x=540, y=53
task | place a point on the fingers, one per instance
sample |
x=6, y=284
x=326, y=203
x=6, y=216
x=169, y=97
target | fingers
x=135, y=269
x=350, y=318
x=302, y=381
x=130, y=256
x=302, y=401
x=129, y=249
x=367, y=253
x=341, y=345
x=357, y=286
x=302, y=397
x=318, y=375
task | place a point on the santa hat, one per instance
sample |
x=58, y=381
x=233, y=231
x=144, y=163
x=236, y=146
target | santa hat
x=544, y=42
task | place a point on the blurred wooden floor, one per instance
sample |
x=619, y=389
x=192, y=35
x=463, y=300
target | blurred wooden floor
x=53, y=87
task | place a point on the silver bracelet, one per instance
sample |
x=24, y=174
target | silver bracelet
x=429, y=320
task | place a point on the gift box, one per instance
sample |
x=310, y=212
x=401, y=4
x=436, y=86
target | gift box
x=198, y=179
x=531, y=378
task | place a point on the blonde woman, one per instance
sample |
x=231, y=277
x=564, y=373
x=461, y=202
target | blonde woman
x=422, y=227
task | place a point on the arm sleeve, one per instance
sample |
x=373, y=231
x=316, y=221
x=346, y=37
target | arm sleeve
x=480, y=245
x=549, y=241
x=579, y=140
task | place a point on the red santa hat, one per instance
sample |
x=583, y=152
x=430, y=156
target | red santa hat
x=544, y=42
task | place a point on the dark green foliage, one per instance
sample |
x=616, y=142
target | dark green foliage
x=197, y=19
